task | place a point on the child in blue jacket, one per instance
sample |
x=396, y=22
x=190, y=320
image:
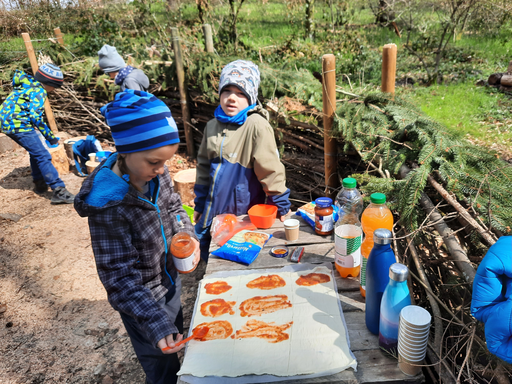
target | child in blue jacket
x=133, y=214
x=22, y=113
x=238, y=162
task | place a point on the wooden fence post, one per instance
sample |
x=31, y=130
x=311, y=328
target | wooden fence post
x=388, y=68
x=207, y=31
x=189, y=138
x=329, y=106
x=59, y=36
x=35, y=67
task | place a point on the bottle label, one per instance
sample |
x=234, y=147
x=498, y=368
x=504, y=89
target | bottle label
x=324, y=223
x=184, y=264
x=362, y=275
x=347, y=242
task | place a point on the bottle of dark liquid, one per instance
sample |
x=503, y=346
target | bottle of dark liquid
x=395, y=298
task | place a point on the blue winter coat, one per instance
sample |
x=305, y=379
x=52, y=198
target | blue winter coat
x=492, y=298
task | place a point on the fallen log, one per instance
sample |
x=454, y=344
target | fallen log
x=506, y=80
x=494, y=79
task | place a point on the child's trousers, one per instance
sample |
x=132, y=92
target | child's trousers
x=40, y=158
x=159, y=367
x=205, y=238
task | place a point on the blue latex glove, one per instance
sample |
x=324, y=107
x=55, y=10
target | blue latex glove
x=55, y=145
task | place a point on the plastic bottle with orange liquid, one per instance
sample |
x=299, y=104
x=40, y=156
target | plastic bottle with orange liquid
x=347, y=232
x=376, y=215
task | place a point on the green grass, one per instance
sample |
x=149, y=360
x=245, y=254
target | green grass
x=466, y=109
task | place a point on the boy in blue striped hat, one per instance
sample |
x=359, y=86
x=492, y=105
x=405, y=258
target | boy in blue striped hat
x=22, y=113
x=133, y=213
x=238, y=163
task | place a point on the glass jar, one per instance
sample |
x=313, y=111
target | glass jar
x=182, y=250
x=324, y=220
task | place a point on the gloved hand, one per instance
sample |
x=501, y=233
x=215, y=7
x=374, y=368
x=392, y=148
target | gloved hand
x=53, y=143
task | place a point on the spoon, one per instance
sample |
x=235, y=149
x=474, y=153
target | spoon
x=197, y=334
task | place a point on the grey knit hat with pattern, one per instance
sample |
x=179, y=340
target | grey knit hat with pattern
x=243, y=74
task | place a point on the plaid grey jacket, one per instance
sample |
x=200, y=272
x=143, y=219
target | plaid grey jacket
x=130, y=238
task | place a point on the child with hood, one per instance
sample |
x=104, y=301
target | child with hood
x=126, y=76
x=133, y=213
x=238, y=162
x=22, y=113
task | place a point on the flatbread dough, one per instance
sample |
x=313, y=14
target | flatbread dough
x=317, y=341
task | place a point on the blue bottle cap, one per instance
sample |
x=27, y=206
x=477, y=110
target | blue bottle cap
x=323, y=202
x=279, y=251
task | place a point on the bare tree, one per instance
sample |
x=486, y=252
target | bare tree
x=310, y=24
x=234, y=9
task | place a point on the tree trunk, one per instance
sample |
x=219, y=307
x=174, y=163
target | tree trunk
x=184, y=184
x=506, y=80
x=60, y=159
x=310, y=25
x=494, y=79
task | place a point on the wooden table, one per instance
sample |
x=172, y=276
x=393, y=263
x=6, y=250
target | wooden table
x=372, y=365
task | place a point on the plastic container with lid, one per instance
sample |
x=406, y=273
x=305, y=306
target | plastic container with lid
x=324, y=219
x=182, y=250
x=396, y=297
x=348, y=233
x=377, y=276
x=376, y=215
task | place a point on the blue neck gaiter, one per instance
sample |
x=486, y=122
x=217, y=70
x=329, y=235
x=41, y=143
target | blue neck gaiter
x=238, y=119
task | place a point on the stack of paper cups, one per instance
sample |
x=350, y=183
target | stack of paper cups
x=413, y=334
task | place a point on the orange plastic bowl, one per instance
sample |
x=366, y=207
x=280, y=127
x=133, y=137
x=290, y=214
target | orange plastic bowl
x=263, y=215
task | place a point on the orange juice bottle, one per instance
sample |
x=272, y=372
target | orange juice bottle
x=347, y=232
x=376, y=215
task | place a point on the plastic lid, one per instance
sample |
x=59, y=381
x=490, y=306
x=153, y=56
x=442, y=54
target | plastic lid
x=398, y=272
x=323, y=202
x=382, y=236
x=378, y=198
x=349, y=182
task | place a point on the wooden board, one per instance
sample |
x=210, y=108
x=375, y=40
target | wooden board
x=372, y=365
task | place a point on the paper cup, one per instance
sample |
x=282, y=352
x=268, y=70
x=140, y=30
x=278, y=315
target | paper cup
x=413, y=337
x=416, y=357
x=413, y=331
x=291, y=229
x=413, y=349
x=92, y=157
x=415, y=317
x=409, y=368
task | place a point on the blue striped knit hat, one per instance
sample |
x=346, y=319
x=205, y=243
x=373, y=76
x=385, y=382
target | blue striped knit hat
x=139, y=121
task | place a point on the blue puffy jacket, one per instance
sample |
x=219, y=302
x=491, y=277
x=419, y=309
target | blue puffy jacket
x=492, y=298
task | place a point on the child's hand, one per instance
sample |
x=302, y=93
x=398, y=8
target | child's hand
x=197, y=251
x=284, y=217
x=197, y=216
x=168, y=341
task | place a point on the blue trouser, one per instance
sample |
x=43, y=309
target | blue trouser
x=159, y=367
x=205, y=238
x=40, y=158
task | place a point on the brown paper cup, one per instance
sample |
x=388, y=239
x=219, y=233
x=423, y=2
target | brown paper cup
x=409, y=368
x=291, y=229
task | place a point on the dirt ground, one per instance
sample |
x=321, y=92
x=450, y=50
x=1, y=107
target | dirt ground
x=56, y=325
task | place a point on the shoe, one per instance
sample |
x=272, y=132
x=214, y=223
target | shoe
x=62, y=196
x=40, y=186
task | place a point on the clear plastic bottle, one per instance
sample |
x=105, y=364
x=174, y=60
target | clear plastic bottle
x=347, y=232
x=396, y=296
x=376, y=215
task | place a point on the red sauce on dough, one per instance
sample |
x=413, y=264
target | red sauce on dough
x=313, y=279
x=217, y=307
x=260, y=305
x=268, y=331
x=217, y=288
x=216, y=330
x=267, y=282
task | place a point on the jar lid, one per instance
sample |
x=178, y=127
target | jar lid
x=279, y=251
x=323, y=202
x=378, y=198
x=398, y=272
x=349, y=182
x=382, y=236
